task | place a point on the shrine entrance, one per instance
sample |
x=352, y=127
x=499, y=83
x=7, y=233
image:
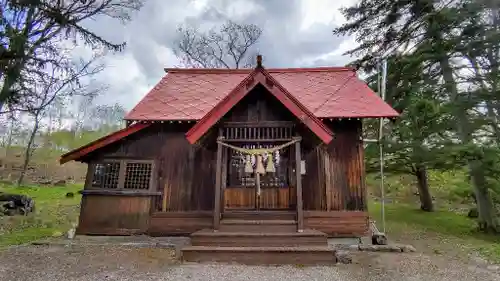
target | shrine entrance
x=258, y=167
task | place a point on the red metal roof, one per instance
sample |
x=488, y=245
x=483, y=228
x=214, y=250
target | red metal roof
x=262, y=77
x=104, y=141
x=328, y=92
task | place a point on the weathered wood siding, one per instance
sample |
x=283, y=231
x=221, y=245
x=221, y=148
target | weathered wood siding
x=335, y=173
x=270, y=198
x=338, y=223
x=114, y=215
x=179, y=223
x=184, y=172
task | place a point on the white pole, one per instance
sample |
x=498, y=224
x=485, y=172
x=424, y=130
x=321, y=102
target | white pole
x=381, y=151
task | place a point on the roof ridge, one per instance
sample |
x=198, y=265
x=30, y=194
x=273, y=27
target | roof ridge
x=249, y=70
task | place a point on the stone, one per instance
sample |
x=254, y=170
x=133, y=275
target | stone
x=379, y=239
x=367, y=248
x=408, y=249
x=71, y=233
x=353, y=247
x=59, y=183
x=343, y=257
x=380, y=248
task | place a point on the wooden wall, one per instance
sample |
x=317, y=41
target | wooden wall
x=184, y=176
x=270, y=198
x=114, y=215
x=335, y=173
x=184, y=172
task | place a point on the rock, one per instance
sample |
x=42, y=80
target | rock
x=343, y=257
x=13, y=204
x=388, y=248
x=59, y=183
x=379, y=239
x=367, y=248
x=408, y=249
x=71, y=233
x=45, y=182
x=353, y=247
x=380, y=248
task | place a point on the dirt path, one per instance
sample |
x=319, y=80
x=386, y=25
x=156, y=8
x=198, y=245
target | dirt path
x=89, y=263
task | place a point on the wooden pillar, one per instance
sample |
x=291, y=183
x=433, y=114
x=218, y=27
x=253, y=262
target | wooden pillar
x=298, y=182
x=218, y=185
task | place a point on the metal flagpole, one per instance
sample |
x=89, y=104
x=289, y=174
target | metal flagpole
x=381, y=146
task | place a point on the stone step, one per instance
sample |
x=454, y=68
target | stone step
x=311, y=255
x=208, y=237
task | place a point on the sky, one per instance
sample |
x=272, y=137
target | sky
x=296, y=33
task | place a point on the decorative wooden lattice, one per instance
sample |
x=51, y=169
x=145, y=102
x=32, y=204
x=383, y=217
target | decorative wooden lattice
x=106, y=175
x=271, y=131
x=138, y=175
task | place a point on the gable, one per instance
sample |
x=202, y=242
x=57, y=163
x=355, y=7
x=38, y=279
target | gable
x=258, y=106
x=259, y=77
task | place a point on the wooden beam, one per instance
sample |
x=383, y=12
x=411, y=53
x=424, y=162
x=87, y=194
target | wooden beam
x=218, y=185
x=300, y=211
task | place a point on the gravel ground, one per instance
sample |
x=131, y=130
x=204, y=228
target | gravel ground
x=90, y=262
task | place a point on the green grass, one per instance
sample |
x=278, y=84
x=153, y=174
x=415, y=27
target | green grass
x=54, y=214
x=441, y=230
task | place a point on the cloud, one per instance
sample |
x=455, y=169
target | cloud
x=295, y=33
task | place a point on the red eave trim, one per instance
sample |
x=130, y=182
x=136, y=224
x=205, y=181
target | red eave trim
x=245, y=71
x=259, y=76
x=99, y=143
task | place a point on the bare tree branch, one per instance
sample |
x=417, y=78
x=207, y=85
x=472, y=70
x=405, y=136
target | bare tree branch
x=226, y=47
x=27, y=29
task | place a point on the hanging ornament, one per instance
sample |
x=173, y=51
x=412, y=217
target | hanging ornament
x=260, y=166
x=248, y=165
x=270, y=164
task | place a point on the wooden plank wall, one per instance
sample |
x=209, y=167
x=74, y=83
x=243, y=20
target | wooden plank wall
x=338, y=223
x=335, y=173
x=179, y=223
x=185, y=172
x=270, y=198
x=114, y=215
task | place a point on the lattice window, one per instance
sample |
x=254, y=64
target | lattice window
x=138, y=175
x=122, y=174
x=106, y=175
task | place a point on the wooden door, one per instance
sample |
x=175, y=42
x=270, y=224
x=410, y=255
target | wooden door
x=241, y=191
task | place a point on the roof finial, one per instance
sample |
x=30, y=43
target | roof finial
x=259, y=60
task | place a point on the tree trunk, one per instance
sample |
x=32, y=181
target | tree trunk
x=484, y=206
x=28, y=152
x=426, y=203
x=486, y=216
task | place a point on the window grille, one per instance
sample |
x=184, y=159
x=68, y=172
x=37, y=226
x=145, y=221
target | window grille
x=106, y=175
x=138, y=175
x=122, y=174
